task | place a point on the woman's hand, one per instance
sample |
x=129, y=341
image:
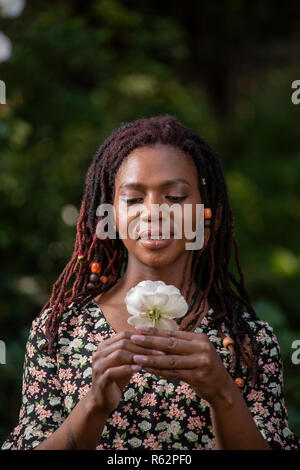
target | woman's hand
x=190, y=357
x=112, y=368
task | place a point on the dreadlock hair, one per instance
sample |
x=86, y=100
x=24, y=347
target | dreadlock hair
x=210, y=267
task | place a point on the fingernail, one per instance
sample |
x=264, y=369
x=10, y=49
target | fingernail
x=143, y=328
x=138, y=358
x=137, y=337
x=136, y=367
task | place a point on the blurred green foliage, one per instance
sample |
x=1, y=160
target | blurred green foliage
x=78, y=70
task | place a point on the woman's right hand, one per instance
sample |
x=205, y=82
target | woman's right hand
x=112, y=368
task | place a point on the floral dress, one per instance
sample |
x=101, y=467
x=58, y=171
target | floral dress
x=153, y=413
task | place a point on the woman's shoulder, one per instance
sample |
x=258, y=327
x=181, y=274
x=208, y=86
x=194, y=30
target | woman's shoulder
x=263, y=333
x=73, y=317
x=257, y=325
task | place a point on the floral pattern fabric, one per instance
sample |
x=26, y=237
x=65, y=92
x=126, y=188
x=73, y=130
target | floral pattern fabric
x=154, y=413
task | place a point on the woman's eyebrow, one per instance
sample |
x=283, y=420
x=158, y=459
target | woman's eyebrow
x=164, y=183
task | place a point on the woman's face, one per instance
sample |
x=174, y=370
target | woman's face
x=157, y=174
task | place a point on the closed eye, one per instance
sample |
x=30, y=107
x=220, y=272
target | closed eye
x=133, y=200
x=136, y=200
x=176, y=198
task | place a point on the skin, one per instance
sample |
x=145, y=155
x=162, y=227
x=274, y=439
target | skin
x=180, y=355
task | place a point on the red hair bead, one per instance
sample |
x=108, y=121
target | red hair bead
x=96, y=268
x=239, y=382
x=207, y=213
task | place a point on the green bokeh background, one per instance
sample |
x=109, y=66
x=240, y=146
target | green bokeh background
x=78, y=69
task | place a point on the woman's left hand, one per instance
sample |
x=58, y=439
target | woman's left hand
x=190, y=357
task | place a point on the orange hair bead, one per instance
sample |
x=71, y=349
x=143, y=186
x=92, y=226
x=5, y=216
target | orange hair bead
x=227, y=341
x=239, y=382
x=207, y=213
x=96, y=268
x=103, y=279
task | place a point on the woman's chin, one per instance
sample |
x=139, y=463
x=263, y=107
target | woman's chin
x=159, y=258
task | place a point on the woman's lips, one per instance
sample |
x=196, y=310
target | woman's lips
x=155, y=244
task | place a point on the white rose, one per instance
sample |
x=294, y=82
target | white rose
x=55, y=401
x=135, y=442
x=87, y=373
x=144, y=425
x=129, y=394
x=174, y=427
x=191, y=436
x=153, y=303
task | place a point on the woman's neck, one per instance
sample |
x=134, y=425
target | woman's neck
x=177, y=274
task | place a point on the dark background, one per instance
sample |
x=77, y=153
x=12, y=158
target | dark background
x=77, y=70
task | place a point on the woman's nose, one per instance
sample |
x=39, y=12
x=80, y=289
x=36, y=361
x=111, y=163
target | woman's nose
x=151, y=208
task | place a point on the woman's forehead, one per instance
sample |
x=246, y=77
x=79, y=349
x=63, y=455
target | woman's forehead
x=157, y=163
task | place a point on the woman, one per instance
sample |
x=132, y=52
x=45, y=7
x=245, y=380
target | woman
x=93, y=381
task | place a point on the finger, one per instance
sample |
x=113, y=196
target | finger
x=168, y=361
x=115, y=373
x=172, y=374
x=168, y=344
x=115, y=359
x=148, y=330
x=127, y=345
x=115, y=338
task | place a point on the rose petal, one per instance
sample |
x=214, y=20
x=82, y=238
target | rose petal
x=134, y=301
x=150, y=286
x=166, y=324
x=155, y=301
x=176, y=306
x=169, y=290
x=133, y=311
x=140, y=320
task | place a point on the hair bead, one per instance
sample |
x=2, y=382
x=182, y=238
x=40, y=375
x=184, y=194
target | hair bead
x=239, y=382
x=207, y=213
x=96, y=268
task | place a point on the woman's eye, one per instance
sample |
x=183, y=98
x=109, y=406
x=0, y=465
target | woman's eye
x=133, y=200
x=176, y=198
x=137, y=200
